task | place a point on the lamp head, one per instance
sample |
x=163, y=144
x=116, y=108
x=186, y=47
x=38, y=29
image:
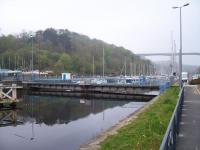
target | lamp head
x=175, y=7
x=186, y=4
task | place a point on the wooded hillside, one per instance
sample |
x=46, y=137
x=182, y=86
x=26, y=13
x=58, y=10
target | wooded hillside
x=65, y=51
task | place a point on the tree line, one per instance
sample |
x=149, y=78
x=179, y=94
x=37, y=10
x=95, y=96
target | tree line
x=61, y=50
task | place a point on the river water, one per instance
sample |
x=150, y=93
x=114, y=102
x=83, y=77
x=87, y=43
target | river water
x=60, y=123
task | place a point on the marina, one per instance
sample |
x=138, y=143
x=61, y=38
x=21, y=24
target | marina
x=99, y=75
x=48, y=114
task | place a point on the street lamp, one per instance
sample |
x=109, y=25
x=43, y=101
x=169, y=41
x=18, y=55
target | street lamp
x=180, y=52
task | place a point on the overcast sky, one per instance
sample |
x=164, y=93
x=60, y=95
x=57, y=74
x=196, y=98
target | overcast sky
x=142, y=26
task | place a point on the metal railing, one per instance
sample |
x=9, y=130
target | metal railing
x=169, y=140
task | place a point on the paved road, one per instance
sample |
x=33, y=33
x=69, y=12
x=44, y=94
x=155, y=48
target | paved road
x=189, y=135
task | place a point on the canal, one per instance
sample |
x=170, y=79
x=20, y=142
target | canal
x=60, y=123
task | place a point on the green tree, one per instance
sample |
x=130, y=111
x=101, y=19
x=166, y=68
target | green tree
x=64, y=64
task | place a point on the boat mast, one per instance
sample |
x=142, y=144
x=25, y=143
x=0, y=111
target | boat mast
x=125, y=66
x=93, y=65
x=103, y=60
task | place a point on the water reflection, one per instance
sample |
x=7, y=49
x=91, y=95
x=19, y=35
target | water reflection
x=8, y=117
x=59, y=110
x=62, y=123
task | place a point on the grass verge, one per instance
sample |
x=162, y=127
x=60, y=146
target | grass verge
x=147, y=131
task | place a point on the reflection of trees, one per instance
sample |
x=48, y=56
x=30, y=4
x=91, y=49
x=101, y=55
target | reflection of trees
x=51, y=110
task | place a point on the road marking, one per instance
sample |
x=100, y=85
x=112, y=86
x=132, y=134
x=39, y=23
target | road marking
x=192, y=101
x=182, y=122
x=197, y=90
x=184, y=115
x=181, y=135
x=185, y=109
x=196, y=147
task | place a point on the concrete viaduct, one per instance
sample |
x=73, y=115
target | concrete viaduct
x=167, y=54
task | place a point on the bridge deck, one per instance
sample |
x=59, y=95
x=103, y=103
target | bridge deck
x=189, y=135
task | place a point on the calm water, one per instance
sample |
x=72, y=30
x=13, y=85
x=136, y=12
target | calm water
x=60, y=123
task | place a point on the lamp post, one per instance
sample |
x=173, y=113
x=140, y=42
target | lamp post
x=180, y=52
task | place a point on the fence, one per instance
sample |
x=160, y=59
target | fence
x=169, y=140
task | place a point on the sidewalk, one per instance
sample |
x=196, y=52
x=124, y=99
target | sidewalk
x=189, y=133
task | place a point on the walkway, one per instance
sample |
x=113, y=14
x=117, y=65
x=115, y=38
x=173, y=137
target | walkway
x=189, y=134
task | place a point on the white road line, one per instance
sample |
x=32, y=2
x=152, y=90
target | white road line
x=197, y=90
x=181, y=135
x=196, y=148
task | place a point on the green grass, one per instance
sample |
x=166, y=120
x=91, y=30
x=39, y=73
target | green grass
x=147, y=131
